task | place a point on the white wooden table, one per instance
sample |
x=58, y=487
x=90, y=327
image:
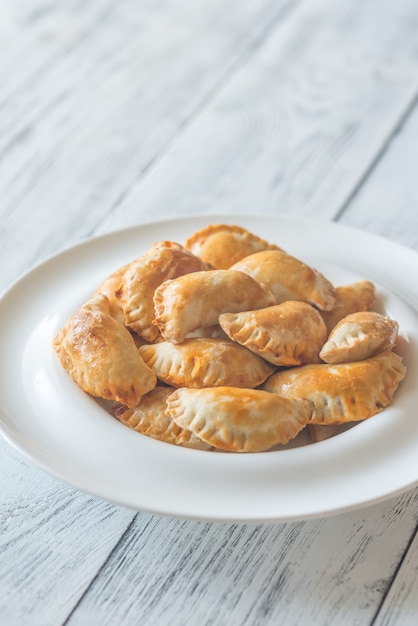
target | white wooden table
x=116, y=113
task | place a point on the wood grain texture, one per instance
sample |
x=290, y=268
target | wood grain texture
x=300, y=124
x=90, y=95
x=111, y=113
x=387, y=203
x=400, y=606
x=114, y=84
x=331, y=571
x=53, y=540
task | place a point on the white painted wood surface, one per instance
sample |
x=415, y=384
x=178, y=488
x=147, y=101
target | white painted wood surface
x=115, y=113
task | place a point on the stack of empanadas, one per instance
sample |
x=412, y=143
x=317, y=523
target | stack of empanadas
x=230, y=343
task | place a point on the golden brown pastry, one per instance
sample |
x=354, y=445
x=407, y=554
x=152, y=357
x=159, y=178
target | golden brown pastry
x=196, y=300
x=320, y=432
x=205, y=363
x=359, y=296
x=111, y=287
x=346, y=392
x=209, y=332
x=287, y=334
x=288, y=278
x=100, y=355
x=360, y=336
x=222, y=245
x=163, y=261
x=238, y=420
x=149, y=418
x=222, y=312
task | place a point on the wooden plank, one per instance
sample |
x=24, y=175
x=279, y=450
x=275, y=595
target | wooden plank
x=92, y=117
x=53, y=540
x=298, y=127
x=400, y=606
x=33, y=36
x=46, y=527
x=177, y=572
x=74, y=114
x=387, y=204
x=255, y=571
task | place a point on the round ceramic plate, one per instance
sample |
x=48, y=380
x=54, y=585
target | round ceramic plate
x=45, y=416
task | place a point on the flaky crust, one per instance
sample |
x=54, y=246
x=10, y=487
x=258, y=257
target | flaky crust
x=360, y=336
x=196, y=300
x=288, y=278
x=187, y=340
x=222, y=245
x=149, y=418
x=359, y=296
x=320, y=432
x=163, y=261
x=111, y=288
x=205, y=363
x=238, y=420
x=100, y=355
x=346, y=392
x=287, y=334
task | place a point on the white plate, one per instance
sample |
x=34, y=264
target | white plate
x=67, y=433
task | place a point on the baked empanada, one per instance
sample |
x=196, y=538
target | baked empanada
x=209, y=332
x=222, y=245
x=359, y=296
x=288, y=278
x=360, y=336
x=321, y=432
x=205, y=363
x=100, y=355
x=111, y=287
x=346, y=392
x=287, y=334
x=149, y=418
x=196, y=300
x=163, y=261
x=238, y=420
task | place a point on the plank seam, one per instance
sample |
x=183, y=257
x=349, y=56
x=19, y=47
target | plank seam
x=395, y=575
x=99, y=571
x=257, y=42
x=16, y=138
x=385, y=146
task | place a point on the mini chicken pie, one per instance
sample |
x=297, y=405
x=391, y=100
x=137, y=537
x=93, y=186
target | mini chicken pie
x=360, y=336
x=287, y=334
x=222, y=245
x=359, y=296
x=238, y=420
x=196, y=300
x=288, y=278
x=205, y=363
x=163, y=261
x=149, y=418
x=100, y=355
x=346, y=392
